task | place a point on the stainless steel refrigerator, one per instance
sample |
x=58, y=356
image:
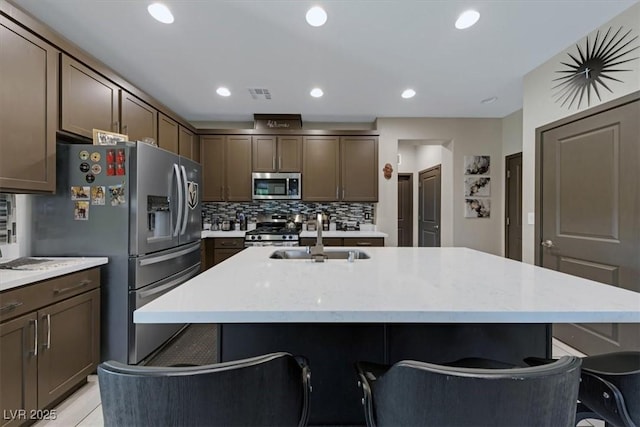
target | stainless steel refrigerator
x=138, y=205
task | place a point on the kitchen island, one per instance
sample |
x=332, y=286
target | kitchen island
x=432, y=304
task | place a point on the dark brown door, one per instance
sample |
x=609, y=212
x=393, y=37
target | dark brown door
x=513, y=207
x=321, y=168
x=591, y=215
x=139, y=120
x=212, y=157
x=429, y=208
x=69, y=341
x=188, y=144
x=359, y=169
x=238, y=168
x=264, y=156
x=405, y=209
x=289, y=153
x=18, y=368
x=168, y=135
x=88, y=100
x=28, y=110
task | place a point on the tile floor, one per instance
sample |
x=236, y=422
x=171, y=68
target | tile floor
x=83, y=409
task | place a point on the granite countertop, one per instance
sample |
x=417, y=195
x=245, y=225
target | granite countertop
x=10, y=279
x=396, y=285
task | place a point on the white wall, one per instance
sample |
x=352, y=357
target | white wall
x=467, y=137
x=540, y=108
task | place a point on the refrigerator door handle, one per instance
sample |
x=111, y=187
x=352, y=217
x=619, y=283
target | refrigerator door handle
x=173, y=255
x=188, y=274
x=185, y=217
x=176, y=171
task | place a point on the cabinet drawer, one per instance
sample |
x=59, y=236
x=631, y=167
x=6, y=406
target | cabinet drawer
x=363, y=241
x=327, y=241
x=229, y=243
x=16, y=302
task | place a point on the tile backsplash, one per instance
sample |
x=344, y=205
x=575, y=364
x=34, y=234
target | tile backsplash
x=341, y=211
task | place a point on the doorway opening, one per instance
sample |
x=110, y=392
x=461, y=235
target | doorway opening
x=405, y=209
x=513, y=207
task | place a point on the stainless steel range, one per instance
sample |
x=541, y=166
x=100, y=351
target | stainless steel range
x=275, y=230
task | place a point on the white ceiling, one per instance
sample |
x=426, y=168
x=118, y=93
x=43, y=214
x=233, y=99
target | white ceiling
x=366, y=54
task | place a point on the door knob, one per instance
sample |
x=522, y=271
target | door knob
x=436, y=227
x=547, y=243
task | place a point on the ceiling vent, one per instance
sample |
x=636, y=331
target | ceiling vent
x=258, y=93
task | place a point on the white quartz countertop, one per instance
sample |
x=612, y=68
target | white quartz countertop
x=216, y=234
x=10, y=279
x=356, y=234
x=397, y=285
x=207, y=234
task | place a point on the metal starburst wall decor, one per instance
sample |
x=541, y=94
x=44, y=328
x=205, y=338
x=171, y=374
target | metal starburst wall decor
x=594, y=66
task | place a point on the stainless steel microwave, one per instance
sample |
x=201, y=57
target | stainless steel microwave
x=276, y=186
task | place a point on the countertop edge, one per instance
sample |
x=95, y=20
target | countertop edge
x=28, y=277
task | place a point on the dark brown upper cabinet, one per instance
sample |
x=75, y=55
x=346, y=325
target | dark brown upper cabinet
x=340, y=169
x=29, y=106
x=358, y=167
x=139, y=119
x=226, y=174
x=277, y=153
x=168, y=135
x=238, y=168
x=212, y=159
x=89, y=101
x=321, y=168
x=189, y=144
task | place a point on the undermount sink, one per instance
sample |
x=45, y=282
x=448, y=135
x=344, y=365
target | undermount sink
x=329, y=254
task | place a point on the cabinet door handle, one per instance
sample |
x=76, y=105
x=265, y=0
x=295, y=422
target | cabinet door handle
x=279, y=162
x=336, y=193
x=71, y=288
x=35, y=337
x=10, y=306
x=116, y=127
x=342, y=193
x=124, y=128
x=48, y=344
x=363, y=244
x=273, y=162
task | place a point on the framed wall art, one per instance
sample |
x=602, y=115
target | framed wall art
x=477, y=186
x=477, y=165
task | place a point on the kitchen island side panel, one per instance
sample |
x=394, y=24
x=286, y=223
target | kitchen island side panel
x=333, y=348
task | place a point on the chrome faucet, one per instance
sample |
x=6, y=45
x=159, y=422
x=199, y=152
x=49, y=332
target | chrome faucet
x=317, y=251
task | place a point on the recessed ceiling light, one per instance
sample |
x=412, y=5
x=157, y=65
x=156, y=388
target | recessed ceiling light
x=223, y=91
x=489, y=100
x=160, y=12
x=316, y=16
x=316, y=92
x=408, y=93
x=467, y=19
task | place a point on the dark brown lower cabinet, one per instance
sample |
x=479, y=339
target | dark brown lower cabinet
x=18, y=369
x=346, y=241
x=47, y=353
x=218, y=249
